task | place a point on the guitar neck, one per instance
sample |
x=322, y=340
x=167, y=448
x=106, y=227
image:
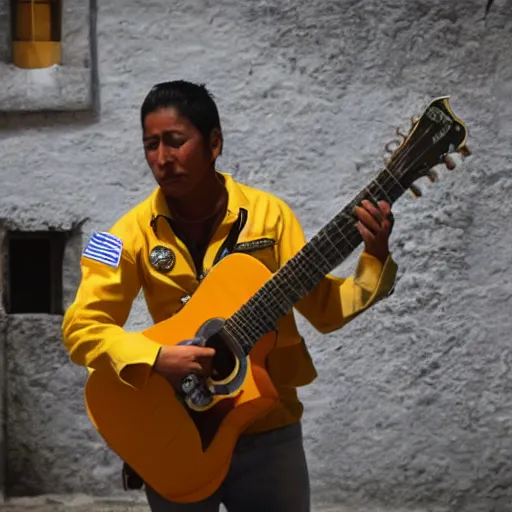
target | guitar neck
x=302, y=273
x=436, y=133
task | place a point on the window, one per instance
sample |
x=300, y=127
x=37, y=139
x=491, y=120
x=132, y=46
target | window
x=36, y=33
x=33, y=271
x=59, y=38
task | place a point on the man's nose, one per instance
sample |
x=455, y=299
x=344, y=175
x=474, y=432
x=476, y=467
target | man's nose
x=164, y=155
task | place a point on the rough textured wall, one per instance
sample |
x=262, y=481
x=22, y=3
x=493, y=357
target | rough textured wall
x=413, y=401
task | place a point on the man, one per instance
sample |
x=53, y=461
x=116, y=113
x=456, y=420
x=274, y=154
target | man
x=167, y=243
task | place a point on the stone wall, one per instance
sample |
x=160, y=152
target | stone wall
x=412, y=405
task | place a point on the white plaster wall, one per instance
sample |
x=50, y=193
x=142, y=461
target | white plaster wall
x=413, y=403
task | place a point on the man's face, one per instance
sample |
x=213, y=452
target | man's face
x=176, y=152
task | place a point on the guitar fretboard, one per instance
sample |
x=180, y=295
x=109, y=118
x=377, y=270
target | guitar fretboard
x=302, y=273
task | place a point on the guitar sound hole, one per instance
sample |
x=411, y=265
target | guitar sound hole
x=224, y=361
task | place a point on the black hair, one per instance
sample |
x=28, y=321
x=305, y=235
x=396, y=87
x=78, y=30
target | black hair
x=191, y=100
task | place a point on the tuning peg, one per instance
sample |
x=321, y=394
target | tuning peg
x=416, y=191
x=398, y=143
x=400, y=134
x=432, y=176
x=464, y=152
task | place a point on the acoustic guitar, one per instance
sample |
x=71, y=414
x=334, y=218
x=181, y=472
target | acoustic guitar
x=181, y=442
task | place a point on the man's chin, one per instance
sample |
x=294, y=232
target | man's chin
x=174, y=190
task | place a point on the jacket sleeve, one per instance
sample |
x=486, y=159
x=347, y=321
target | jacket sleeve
x=335, y=301
x=92, y=325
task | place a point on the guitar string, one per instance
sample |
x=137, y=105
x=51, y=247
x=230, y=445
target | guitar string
x=254, y=321
x=257, y=317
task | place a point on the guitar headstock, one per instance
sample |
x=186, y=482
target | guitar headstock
x=436, y=133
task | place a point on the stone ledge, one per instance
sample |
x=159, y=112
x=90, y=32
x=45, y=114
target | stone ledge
x=34, y=90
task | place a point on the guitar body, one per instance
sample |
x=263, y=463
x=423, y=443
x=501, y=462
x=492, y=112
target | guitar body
x=184, y=454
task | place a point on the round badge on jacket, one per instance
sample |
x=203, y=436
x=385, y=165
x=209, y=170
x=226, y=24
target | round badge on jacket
x=162, y=259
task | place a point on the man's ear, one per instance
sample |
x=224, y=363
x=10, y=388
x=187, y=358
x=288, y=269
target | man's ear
x=216, y=142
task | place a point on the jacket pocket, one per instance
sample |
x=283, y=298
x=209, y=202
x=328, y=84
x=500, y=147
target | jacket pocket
x=262, y=249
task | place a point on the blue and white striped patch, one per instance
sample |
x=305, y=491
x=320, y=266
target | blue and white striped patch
x=105, y=248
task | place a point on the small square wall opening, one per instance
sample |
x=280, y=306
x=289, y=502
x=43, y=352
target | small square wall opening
x=33, y=272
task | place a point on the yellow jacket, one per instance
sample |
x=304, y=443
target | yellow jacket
x=93, y=325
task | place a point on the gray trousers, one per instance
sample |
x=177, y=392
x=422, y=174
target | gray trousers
x=268, y=474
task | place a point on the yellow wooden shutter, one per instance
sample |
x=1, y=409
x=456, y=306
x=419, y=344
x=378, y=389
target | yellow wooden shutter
x=36, y=34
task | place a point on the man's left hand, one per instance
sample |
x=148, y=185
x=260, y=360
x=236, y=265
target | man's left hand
x=375, y=225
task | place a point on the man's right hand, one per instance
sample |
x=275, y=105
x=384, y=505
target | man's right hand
x=177, y=361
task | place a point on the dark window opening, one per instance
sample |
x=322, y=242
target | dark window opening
x=33, y=267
